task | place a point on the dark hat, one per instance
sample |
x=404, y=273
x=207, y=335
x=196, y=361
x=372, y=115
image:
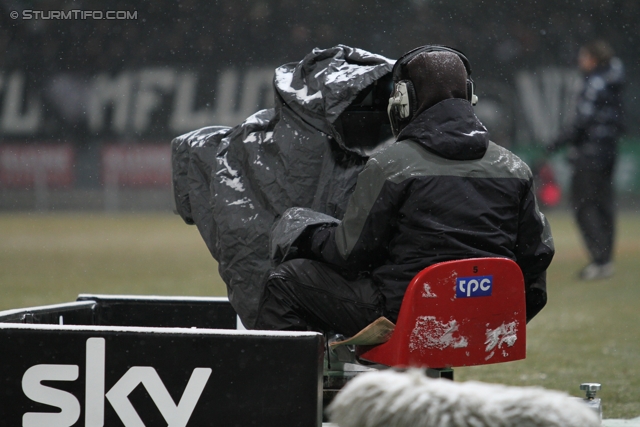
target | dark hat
x=436, y=76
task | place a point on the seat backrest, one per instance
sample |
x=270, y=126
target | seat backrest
x=459, y=313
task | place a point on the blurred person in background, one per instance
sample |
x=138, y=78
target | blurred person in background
x=592, y=151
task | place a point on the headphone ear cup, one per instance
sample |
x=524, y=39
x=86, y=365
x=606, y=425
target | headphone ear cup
x=471, y=96
x=402, y=104
x=393, y=110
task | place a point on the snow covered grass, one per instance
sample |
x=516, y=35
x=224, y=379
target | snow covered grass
x=589, y=332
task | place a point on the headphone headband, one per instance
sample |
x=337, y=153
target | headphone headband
x=404, y=59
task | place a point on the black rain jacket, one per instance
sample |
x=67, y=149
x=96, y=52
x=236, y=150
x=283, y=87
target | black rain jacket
x=443, y=191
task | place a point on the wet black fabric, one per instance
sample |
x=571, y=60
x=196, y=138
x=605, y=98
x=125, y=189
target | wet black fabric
x=302, y=294
x=234, y=183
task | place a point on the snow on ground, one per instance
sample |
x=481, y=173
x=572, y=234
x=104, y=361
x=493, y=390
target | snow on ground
x=621, y=423
x=605, y=423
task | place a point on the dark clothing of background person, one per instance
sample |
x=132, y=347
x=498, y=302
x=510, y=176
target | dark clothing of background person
x=592, y=153
x=443, y=191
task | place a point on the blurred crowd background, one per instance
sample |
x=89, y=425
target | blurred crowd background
x=500, y=36
x=89, y=103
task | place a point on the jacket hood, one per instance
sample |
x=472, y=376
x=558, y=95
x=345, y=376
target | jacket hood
x=449, y=129
x=436, y=76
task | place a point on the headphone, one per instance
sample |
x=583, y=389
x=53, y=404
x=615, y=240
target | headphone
x=403, y=101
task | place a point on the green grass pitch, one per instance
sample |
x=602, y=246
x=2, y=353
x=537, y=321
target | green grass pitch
x=589, y=332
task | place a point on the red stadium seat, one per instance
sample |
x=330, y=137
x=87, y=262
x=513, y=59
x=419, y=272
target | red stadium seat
x=458, y=313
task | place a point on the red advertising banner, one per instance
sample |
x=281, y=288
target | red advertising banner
x=136, y=165
x=43, y=164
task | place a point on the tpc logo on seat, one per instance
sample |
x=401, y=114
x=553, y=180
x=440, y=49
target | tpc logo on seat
x=476, y=286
